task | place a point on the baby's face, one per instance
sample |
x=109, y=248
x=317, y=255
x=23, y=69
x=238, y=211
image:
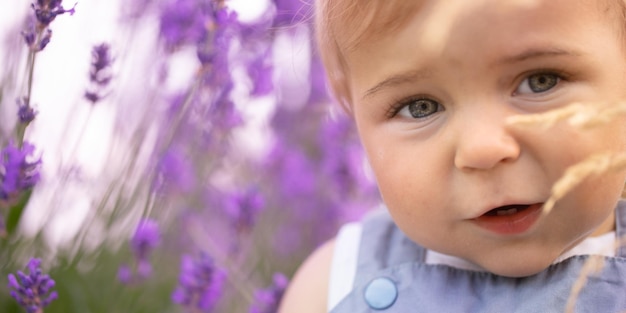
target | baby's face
x=432, y=116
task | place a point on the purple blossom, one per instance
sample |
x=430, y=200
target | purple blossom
x=145, y=239
x=342, y=160
x=292, y=169
x=18, y=172
x=125, y=274
x=243, y=207
x=38, y=34
x=222, y=112
x=260, y=71
x=30, y=36
x=32, y=291
x=184, y=22
x=99, y=74
x=47, y=10
x=45, y=40
x=175, y=173
x=200, y=284
x=25, y=112
x=215, y=43
x=267, y=300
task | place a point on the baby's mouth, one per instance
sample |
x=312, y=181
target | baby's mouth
x=512, y=219
x=507, y=210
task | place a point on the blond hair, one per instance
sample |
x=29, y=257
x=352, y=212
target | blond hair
x=341, y=25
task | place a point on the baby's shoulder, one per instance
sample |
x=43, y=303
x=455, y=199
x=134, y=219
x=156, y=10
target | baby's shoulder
x=308, y=290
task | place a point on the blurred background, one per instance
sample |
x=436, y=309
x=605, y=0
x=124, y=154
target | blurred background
x=168, y=155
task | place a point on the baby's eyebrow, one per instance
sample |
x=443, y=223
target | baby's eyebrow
x=398, y=79
x=533, y=53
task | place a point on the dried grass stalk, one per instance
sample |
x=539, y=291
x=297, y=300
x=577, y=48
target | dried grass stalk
x=594, y=165
x=548, y=119
x=579, y=115
x=592, y=266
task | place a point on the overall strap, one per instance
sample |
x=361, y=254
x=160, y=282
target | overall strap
x=620, y=228
x=383, y=245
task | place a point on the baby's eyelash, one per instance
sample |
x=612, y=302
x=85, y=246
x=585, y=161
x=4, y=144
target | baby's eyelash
x=399, y=104
x=560, y=73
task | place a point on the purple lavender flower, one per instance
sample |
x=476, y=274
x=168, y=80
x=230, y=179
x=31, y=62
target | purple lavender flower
x=99, y=74
x=243, y=207
x=45, y=40
x=343, y=157
x=215, y=44
x=146, y=237
x=183, y=22
x=260, y=72
x=32, y=291
x=25, y=112
x=38, y=34
x=47, y=10
x=200, y=284
x=267, y=300
x=175, y=172
x=17, y=171
x=125, y=274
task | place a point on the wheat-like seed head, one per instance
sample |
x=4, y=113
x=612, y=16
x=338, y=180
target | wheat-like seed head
x=594, y=165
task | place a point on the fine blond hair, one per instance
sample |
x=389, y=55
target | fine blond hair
x=342, y=24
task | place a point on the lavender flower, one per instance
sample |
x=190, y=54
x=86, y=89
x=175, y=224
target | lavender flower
x=32, y=291
x=17, y=171
x=25, y=112
x=47, y=10
x=175, y=173
x=267, y=300
x=38, y=35
x=183, y=22
x=146, y=237
x=215, y=44
x=200, y=284
x=260, y=71
x=243, y=208
x=99, y=74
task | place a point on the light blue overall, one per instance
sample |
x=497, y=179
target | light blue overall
x=392, y=277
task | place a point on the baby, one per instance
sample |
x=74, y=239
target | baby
x=435, y=88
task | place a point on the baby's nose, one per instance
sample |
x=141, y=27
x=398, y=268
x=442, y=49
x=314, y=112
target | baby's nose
x=483, y=144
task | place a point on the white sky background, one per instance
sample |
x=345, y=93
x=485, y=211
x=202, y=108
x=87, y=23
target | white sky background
x=61, y=78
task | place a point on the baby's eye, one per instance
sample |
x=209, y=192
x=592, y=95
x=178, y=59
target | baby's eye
x=538, y=83
x=420, y=108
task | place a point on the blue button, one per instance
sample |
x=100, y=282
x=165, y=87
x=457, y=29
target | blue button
x=381, y=293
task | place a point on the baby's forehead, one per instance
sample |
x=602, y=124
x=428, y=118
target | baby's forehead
x=355, y=22
x=345, y=28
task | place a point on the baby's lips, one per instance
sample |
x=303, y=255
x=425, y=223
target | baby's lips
x=510, y=219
